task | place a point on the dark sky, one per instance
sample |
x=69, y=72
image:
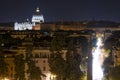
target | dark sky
x=57, y=10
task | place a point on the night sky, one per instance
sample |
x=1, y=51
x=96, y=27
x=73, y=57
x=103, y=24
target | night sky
x=60, y=10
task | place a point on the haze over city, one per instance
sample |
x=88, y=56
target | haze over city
x=60, y=10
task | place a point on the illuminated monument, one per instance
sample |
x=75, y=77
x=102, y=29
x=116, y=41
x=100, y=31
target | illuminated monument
x=37, y=19
x=27, y=25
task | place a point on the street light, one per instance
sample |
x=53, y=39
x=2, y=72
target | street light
x=53, y=77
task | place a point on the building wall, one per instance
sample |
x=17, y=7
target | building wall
x=11, y=71
x=54, y=26
x=37, y=27
x=6, y=28
x=23, y=26
x=40, y=56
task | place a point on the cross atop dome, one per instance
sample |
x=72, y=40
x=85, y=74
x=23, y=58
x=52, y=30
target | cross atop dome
x=37, y=10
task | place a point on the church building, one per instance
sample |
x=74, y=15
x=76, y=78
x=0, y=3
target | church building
x=34, y=24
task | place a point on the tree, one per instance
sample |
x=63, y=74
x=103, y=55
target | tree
x=3, y=66
x=19, y=67
x=112, y=43
x=57, y=65
x=56, y=60
x=3, y=63
x=113, y=40
x=114, y=73
x=73, y=61
x=34, y=71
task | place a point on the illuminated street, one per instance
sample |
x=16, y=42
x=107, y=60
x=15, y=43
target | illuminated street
x=97, y=68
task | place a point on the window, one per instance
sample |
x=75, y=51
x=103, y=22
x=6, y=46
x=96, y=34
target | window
x=44, y=61
x=36, y=61
x=11, y=74
x=44, y=68
x=11, y=68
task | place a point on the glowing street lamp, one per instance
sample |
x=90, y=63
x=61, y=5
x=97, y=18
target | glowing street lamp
x=53, y=77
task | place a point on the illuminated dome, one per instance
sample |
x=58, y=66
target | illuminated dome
x=37, y=17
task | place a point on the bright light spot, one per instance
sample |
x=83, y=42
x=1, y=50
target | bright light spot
x=5, y=79
x=47, y=76
x=97, y=70
x=53, y=77
x=37, y=9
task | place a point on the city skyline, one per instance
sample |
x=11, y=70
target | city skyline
x=60, y=10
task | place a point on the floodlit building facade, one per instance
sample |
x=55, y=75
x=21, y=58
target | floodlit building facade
x=39, y=54
x=23, y=26
x=37, y=17
x=34, y=24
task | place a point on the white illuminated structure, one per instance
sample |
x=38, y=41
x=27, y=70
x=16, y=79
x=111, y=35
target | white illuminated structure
x=23, y=26
x=37, y=17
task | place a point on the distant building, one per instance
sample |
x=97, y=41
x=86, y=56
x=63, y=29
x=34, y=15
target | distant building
x=37, y=19
x=23, y=26
x=7, y=26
